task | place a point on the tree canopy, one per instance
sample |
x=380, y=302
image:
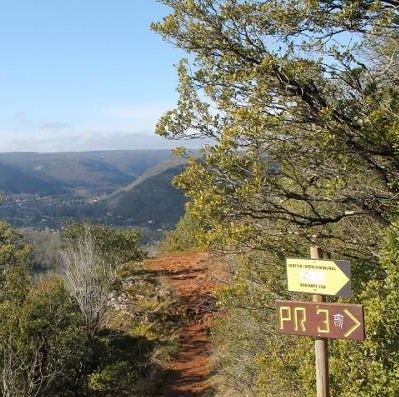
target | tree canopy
x=300, y=103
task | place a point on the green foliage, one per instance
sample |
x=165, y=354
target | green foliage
x=139, y=339
x=45, y=348
x=14, y=264
x=371, y=369
x=301, y=102
x=257, y=361
x=254, y=359
x=41, y=341
x=316, y=108
x=114, y=245
x=13, y=250
x=122, y=366
x=185, y=236
x=91, y=259
x=47, y=351
x=45, y=248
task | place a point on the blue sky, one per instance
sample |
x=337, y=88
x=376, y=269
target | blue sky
x=83, y=74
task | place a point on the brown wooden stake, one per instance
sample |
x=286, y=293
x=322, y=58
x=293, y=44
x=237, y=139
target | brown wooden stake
x=321, y=344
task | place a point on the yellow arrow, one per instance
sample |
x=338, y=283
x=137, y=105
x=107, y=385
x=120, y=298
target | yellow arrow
x=355, y=320
x=316, y=276
x=337, y=278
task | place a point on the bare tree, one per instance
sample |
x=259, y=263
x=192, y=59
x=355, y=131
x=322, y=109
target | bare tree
x=25, y=375
x=89, y=279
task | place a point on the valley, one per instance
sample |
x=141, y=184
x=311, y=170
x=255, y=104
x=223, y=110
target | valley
x=124, y=188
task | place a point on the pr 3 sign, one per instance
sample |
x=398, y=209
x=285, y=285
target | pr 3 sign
x=322, y=320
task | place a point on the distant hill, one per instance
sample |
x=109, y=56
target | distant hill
x=14, y=180
x=127, y=188
x=150, y=202
x=101, y=171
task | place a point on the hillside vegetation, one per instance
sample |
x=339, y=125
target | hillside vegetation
x=101, y=327
x=151, y=201
x=14, y=180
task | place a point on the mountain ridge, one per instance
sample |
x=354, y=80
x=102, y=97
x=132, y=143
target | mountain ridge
x=126, y=188
x=96, y=170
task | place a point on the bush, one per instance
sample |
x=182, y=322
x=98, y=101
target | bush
x=42, y=342
x=184, y=237
x=371, y=369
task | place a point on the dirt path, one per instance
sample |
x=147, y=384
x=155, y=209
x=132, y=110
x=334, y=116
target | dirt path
x=187, y=275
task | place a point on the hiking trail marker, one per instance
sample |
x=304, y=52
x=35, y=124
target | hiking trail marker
x=324, y=320
x=319, y=319
x=317, y=276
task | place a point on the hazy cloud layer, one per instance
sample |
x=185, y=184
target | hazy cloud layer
x=92, y=140
x=103, y=128
x=55, y=125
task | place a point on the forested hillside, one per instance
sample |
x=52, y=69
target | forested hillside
x=96, y=172
x=15, y=180
x=129, y=188
x=153, y=200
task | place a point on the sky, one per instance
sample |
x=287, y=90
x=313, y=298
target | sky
x=83, y=75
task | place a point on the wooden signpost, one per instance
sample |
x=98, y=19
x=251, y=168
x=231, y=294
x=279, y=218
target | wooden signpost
x=320, y=319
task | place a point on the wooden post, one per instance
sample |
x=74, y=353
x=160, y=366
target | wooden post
x=321, y=345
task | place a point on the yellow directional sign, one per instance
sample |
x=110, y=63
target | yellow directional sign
x=315, y=276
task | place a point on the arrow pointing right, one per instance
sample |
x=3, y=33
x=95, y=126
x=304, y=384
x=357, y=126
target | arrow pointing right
x=356, y=325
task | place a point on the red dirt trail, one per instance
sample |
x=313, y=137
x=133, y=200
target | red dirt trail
x=187, y=275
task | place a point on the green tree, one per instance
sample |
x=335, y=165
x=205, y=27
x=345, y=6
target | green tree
x=14, y=264
x=43, y=344
x=371, y=369
x=184, y=236
x=300, y=102
x=13, y=250
x=115, y=245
